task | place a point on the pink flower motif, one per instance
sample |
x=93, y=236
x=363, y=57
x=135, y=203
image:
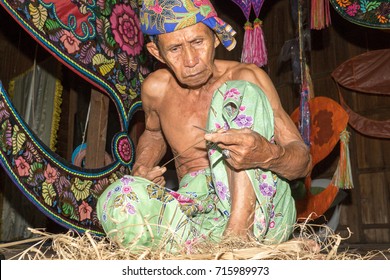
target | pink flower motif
x=156, y=8
x=124, y=149
x=243, y=121
x=261, y=221
x=127, y=189
x=266, y=189
x=126, y=29
x=272, y=224
x=126, y=180
x=196, y=173
x=130, y=208
x=22, y=166
x=221, y=190
x=199, y=3
x=180, y=198
x=51, y=174
x=71, y=43
x=85, y=211
x=242, y=108
x=353, y=9
x=232, y=93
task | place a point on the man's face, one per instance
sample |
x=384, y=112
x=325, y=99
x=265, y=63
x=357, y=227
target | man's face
x=189, y=53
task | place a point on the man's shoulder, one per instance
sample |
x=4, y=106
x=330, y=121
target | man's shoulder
x=156, y=81
x=235, y=70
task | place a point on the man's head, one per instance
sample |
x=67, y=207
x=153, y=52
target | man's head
x=184, y=37
x=188, y=52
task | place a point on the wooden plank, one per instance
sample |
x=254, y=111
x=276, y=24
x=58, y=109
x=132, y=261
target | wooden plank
x=377, y=235
x=372, y=159
x=374, y=196
x=72, y=109
x=97, y=130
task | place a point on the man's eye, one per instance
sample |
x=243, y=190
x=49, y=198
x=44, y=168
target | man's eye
x=174, y=49
x=198, y=42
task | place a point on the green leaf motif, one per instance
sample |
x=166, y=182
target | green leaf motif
x=52, y=25
x=373, y=5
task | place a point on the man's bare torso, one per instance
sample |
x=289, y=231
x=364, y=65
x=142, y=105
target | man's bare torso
x=180, y=109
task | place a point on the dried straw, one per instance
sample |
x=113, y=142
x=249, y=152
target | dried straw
x=307, y=245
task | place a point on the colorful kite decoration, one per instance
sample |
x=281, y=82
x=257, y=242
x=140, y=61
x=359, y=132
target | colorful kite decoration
x=368, y=13
x=254, y=49
x=102, y=42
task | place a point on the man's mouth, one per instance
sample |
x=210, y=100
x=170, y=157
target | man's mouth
x=192, y=75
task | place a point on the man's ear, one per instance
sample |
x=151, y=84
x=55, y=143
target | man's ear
x=216, y=41
x=153, y=49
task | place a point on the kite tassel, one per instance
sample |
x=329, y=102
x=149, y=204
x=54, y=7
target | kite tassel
x=320, y=14
x=260, y=57
x=343, y=175
x=246, y=55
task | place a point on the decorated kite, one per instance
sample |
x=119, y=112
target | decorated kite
x=102, y=42
x=368, y=13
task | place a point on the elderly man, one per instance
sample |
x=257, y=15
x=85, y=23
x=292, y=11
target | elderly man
x=234, y=145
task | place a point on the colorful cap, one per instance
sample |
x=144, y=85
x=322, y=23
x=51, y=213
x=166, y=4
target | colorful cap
x=164, y=16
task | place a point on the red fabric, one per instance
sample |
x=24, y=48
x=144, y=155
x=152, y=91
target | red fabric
x=368, y=73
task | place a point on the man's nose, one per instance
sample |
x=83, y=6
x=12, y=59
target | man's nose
x=190, y=57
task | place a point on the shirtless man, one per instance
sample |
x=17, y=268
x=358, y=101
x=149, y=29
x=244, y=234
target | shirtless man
x=178, y=98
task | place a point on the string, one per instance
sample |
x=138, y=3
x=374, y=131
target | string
x=175, y=157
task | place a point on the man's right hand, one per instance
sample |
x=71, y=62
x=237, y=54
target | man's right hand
x=154, y=174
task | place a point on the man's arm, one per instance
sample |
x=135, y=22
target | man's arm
x=288, y=157
x=151, y=145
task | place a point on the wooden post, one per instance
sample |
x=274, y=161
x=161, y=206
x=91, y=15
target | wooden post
x=97, y=130
x=72, y=109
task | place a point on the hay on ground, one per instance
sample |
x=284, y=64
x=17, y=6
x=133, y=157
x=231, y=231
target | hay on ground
x=306, y=245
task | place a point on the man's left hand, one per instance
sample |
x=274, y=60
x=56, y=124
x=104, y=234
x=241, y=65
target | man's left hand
x=247, y=148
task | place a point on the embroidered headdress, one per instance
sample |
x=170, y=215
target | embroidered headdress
x=163, y=16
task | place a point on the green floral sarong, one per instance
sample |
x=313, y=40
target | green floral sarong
x=136, y=211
